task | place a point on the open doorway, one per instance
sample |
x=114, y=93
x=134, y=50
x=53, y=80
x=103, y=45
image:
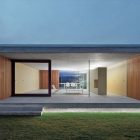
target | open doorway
x=69, y=77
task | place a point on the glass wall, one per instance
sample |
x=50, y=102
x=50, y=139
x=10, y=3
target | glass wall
x=77, y=77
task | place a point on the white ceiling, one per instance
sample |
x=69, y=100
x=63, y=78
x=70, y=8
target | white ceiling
x=72, y=61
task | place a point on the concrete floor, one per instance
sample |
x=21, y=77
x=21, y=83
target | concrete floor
x=71, y=99
x=58, y=92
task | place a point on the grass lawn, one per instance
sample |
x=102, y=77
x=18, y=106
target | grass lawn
x=72, y=126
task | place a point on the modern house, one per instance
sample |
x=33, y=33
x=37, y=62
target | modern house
x=70, y=53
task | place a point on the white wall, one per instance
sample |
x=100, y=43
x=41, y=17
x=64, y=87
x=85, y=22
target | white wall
x=117, y=79
x=26, y=78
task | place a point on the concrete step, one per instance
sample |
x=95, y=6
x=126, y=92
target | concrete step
x=20, y=113
x=36, y=108
x=12, y=109
x=20, y=108
x=92, y=105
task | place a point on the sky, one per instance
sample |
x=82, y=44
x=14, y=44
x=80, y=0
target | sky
x=69, y=21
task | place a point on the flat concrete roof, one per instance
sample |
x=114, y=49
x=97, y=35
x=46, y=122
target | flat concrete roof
x=70, y=48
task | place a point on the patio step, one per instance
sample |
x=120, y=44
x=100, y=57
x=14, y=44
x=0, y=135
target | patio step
x=18, y=109
x=92, y=105
x=36, y=109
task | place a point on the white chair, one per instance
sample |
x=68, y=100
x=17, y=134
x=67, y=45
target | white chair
x=67, y=86
x=53, y=87
x=73, y=85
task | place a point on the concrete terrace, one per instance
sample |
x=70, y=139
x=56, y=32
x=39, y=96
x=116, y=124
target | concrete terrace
x=70, y=99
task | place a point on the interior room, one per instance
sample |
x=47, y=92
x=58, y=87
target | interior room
x=31, y=78
x=108, y=77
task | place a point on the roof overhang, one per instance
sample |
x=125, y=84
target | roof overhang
x=70, y=48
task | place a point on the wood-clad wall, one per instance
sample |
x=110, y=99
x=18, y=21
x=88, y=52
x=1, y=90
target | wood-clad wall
x=133, y=78
x=44, y=79
x=5, y=78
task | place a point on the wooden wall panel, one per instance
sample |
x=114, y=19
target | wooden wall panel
x=44, y=79
x=133, y=78
x=5, y=78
